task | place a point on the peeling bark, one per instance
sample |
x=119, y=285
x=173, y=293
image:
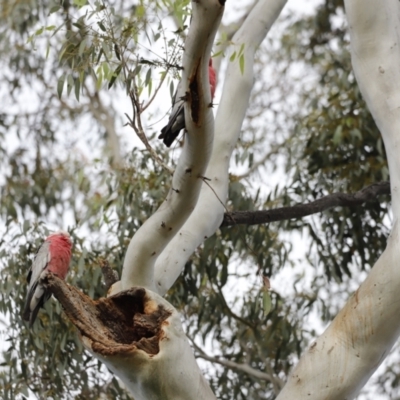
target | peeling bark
x=139, y=337
x=127, y=321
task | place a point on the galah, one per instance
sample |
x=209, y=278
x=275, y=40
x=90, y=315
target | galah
x=54, y=255
x=177, y=118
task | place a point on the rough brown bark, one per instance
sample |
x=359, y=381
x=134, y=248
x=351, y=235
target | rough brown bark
x=119, y=324
x=367, y=194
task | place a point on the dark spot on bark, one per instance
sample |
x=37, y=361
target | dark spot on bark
x=162, y=224
x=194, y=96
x=188, y=170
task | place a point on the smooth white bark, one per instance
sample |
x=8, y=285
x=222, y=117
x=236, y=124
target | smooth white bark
x=344, y=357
x=208, y=214
x=157, y=231
x=341, y=361
x=374, y=31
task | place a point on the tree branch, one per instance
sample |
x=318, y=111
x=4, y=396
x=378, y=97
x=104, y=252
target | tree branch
x=367, y=194
x=339, y=363
x=239, y=367
x=139, y=336
x=208, y=214
x=152, y=237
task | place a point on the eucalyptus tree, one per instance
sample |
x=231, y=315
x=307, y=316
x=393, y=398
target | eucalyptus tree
x=187, y=239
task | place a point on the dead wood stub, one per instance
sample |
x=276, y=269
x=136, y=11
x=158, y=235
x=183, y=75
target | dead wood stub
x=115, y=324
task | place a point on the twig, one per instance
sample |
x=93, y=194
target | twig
x=136, y=125
x=241, y=367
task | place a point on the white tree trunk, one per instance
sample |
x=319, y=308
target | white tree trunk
x=209, y=211
x=341, y=361
x=158, y=230
x=172, y=373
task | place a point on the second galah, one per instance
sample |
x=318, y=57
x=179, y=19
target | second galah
x=54, y=255
x=177, y=118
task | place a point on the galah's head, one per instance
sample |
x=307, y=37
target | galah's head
x=62, y=235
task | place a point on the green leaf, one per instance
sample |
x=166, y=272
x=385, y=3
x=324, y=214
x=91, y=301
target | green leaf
x=115, y=76
x=70, y=83
x=148, y=77
x=39, y=31
x=267, y=302
x=60, y=85
x=77, y=88
x=117, y=52
x=80, y=3
x=101, y=26
x=54, y=9
x=47, y=50
x=82, y=46
x=241, y=64
x=337, y=137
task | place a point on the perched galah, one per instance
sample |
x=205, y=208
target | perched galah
x=177, y=118
x=54, y=255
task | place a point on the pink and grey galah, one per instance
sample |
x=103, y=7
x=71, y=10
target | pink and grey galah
x=176, y=120
x=54, y=256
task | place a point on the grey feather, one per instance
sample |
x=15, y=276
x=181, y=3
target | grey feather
x=36, y=295
x=176, y=120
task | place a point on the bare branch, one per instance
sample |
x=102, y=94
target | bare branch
x=239, y=367
x=136, y=124
x=367, y=194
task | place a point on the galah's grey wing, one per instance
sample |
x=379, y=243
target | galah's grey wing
x=36, y=296
x=176, y=120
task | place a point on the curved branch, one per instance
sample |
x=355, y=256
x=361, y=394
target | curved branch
x=245, y=368
x=367, y=194
x=208, y=214
x=152, y=237
x=343, y=358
